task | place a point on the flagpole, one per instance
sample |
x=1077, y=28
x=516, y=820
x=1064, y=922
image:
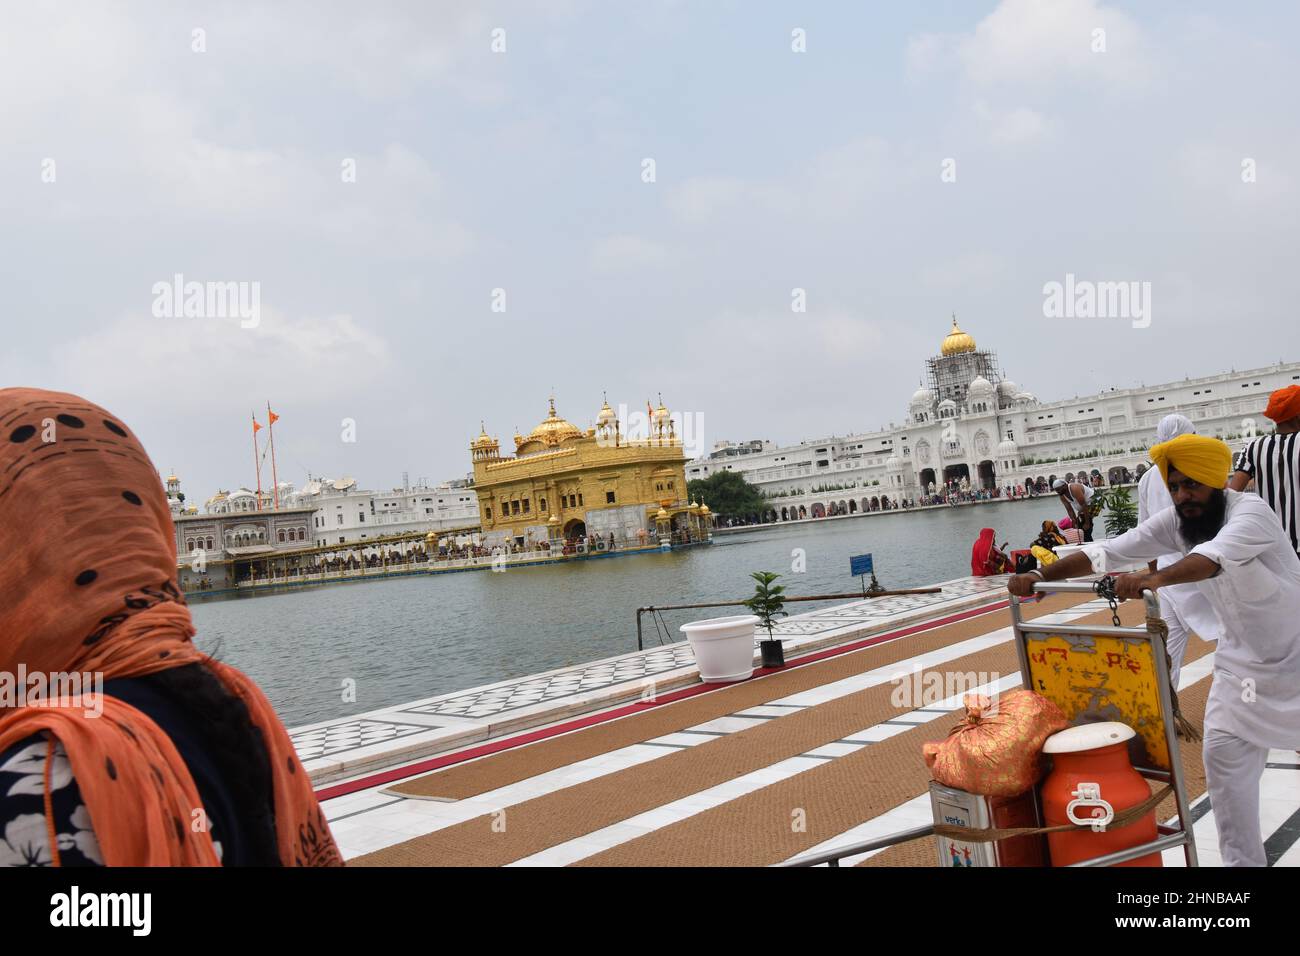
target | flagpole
x=257, y=464
x=275, y=478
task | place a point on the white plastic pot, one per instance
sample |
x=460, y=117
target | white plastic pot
x=723, y=646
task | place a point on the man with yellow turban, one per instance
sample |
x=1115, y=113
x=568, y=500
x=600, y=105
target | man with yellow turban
x=1273, y=462
x=1183, y=606
x=1234, y=550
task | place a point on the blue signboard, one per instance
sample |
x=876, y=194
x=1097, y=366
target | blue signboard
x=861, y=564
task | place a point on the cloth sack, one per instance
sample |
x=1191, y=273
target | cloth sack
x=996, y=750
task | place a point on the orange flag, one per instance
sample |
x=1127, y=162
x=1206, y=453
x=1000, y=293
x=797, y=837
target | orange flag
x=256, y=426
x=272, y=416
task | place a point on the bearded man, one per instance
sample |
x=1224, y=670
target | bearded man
x=1235, y=550
x=1183, y=606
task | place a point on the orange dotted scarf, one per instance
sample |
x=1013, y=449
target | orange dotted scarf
x=88, y=586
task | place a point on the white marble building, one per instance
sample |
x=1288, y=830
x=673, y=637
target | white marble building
x=969, y=424
x=346, y=513
x=232, y=527
x=343, y=513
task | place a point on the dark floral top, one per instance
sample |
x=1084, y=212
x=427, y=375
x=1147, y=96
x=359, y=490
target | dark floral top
x=24, y=834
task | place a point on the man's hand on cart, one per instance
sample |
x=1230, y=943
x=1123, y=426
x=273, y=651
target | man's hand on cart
x=1074, y=565
x=1022, y=585
x=1130, y=586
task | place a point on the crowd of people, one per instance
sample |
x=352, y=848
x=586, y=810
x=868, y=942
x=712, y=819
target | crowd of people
x=467, y=550
x=954, y=492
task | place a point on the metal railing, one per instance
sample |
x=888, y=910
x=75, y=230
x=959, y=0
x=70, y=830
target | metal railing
x=865, y=595
x=833, y=857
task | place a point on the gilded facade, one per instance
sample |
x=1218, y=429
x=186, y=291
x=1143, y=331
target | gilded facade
x=566, y=484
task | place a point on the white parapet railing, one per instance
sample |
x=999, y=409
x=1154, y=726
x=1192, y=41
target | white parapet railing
x=441, y=564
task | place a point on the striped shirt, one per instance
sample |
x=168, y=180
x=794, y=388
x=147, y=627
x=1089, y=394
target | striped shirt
x=1273, y=461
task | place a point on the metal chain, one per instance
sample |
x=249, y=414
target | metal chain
x=1105, y=588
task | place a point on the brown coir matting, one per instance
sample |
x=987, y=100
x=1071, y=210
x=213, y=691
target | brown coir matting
x=759, y=828
x=1191, y=701
x=509, y=834
x=499, y=770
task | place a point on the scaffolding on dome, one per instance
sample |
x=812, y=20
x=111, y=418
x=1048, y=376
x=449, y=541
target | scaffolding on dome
x=951, y=375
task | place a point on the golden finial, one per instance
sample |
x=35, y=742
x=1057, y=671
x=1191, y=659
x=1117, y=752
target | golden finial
x=957, y=341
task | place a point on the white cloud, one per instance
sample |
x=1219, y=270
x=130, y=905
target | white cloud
x=966, y=273
x=832, y=337
x=616, y=253
x=186, y=361
x=929, y=53
x=1034, y=52
x=832, y=184
x=1036, y=44
x=701, y=198
x=1014, y=127
x=477, y=170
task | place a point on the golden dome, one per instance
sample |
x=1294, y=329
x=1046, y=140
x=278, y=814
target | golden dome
x=957, y=341
x=483, y=440
x=662, y=515
x=431, y=538
x=704, y=509
x=554, y=429
x=606, y=416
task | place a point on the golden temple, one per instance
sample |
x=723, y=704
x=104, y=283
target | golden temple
x=565, y=484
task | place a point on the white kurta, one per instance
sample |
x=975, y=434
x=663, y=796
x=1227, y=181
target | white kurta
x=1256, y=597
x=1187, y=600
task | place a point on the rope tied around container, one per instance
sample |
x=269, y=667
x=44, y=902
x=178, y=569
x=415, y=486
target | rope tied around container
x=1122, y=818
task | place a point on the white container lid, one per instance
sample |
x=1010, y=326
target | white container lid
x=1088, y=737
x=719, y=623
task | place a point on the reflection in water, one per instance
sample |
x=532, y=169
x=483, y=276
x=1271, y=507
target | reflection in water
x=411, y=638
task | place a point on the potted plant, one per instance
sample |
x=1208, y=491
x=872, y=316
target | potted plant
x=768, y=603
x=1121, y=511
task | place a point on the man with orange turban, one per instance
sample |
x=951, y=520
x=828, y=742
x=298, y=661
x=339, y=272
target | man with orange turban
x=1233, y=549
x=1273, y=462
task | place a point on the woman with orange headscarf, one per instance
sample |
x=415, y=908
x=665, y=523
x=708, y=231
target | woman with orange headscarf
x=181, y=761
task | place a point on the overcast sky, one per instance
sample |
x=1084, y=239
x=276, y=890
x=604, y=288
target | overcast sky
x=128, y=156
